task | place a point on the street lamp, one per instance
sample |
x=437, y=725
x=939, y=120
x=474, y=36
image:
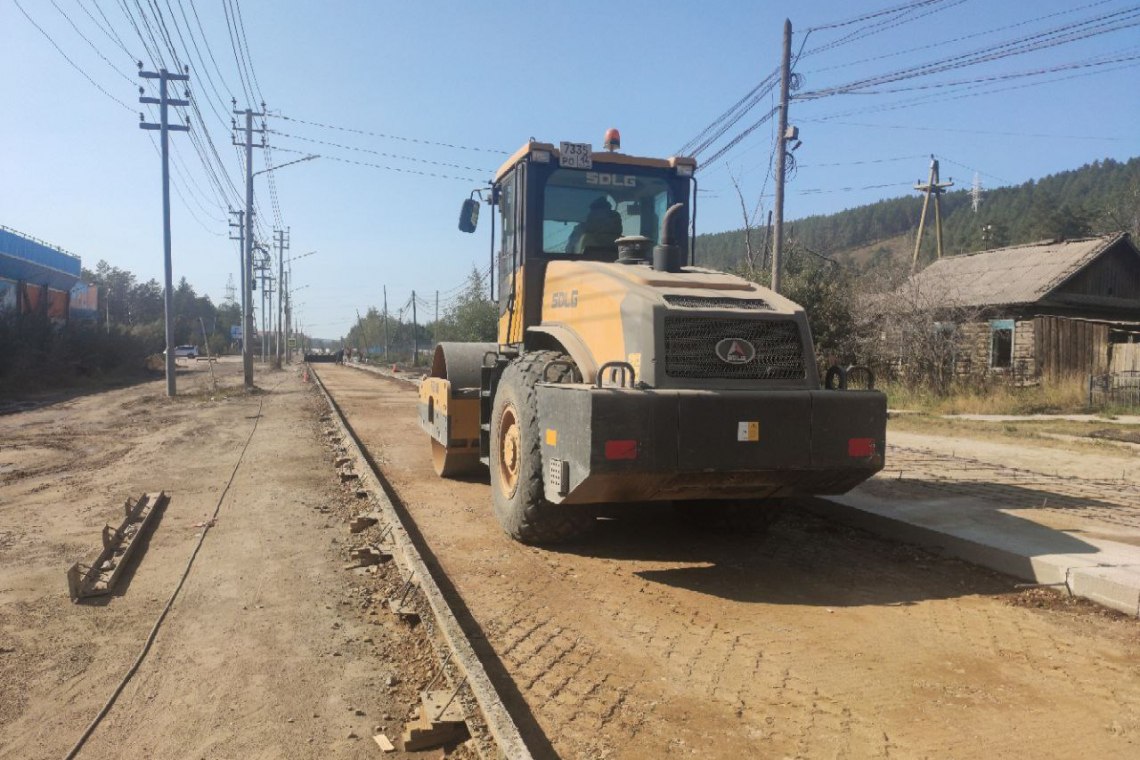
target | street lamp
x=289, y=316
x=288, y=303
x=247, y=267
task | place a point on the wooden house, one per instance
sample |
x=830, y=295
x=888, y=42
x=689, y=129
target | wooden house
x=1041, y=310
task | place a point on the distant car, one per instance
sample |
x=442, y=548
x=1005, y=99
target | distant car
x=188, y=352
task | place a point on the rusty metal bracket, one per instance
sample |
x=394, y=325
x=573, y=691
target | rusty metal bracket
x=119, y=544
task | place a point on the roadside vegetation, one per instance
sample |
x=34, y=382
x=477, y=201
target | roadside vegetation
x=469, y=316
x=117, y=345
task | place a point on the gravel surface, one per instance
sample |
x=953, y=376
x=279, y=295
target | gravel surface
x=653, y=638
x=272, y=649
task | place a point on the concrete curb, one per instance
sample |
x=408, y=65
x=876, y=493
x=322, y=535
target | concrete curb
x=1104, y=572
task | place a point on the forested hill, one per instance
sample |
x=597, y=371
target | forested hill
x=1100, y=197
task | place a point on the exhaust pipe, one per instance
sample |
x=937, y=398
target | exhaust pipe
x=667, y=257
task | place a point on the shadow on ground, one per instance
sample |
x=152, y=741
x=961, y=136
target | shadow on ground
x=801, y=559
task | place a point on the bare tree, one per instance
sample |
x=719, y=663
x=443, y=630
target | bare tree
x=749, y=253
x=907, y=330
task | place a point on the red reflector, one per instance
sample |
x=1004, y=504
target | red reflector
x=621, y=449
x=860, y=447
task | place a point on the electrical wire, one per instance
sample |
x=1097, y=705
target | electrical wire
x=383, y=167
x=872, y=15
x=961, y=38
x=906, y=17
x=1100, y=25
x=380, y=153
x=419, y=140
x=67, y=58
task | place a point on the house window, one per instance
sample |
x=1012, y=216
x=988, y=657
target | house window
x=1001, y=343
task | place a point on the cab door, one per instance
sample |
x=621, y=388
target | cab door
x=511, y=201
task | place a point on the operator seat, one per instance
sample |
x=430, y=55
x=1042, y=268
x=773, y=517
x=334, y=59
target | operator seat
x=596, y=235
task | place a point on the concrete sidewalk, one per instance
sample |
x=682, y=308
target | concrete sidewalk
x=1008, y=540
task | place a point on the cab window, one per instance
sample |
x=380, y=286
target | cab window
x=509, y=217
x=584, y=212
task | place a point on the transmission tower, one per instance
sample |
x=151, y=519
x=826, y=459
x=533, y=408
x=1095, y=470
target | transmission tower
x=976, y=192
x=231, y=292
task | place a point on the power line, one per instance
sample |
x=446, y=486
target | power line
x=967, y=91
x=246, y=90
x=1011, y=75
x=67, y=58
x=389, y=136
x=975, y=131
x=961, y=38
x=381, y=153
x=768, y=82
x=904, y=17
x=236, y=4
x=866, y=161
x=108, y=30
x=872, y=15
x=1064, y=34
x=385, y=168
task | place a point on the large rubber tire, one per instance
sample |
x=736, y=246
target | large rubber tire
x=516, y=458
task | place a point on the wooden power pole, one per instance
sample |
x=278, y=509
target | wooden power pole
x=933, y=187
x=781, y=156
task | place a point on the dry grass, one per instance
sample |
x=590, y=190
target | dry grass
x=1068, y=396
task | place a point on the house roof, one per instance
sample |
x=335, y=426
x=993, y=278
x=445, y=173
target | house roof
x=1019, y=274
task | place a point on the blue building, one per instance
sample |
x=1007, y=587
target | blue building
x=36, y=277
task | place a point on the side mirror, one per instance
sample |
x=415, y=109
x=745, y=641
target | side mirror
x=469, y=215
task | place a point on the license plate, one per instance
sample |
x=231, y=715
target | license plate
x=576, y=155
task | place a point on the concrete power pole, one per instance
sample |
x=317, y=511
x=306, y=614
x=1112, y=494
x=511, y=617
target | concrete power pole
x=265, y=275
x=415, y=332
x=247, y=267
x=163, y=101
x=781, y=156
x=935, y=188
x=385, y=323
x=282, y=246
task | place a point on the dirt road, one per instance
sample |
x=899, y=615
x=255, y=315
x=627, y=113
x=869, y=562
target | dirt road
x=271, y=650
x=653, y=639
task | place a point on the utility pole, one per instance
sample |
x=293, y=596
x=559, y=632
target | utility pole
x=247, y=268
x=163, y=101
x=240, y=226
x=282, y=246
x=385, y=323
x=415, y=332
x=437, y=309
x=781, y=156
x=935, y=188
x=264, y=274
x=288, y=312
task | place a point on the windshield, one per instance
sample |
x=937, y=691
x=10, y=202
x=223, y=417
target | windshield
x=584, y=212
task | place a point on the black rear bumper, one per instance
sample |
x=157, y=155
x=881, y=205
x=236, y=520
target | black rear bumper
x=611, y=445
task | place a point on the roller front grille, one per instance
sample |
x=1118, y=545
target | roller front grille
x=715, y=302
x=691, y=348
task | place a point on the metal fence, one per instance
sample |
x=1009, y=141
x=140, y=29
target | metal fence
x=1121, y=389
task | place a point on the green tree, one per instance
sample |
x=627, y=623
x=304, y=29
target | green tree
x=472, y=317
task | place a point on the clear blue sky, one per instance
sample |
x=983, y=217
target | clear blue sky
x=77, y=171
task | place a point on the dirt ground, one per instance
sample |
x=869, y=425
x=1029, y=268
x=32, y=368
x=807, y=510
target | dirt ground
x=272, y=649
x=656, y=639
